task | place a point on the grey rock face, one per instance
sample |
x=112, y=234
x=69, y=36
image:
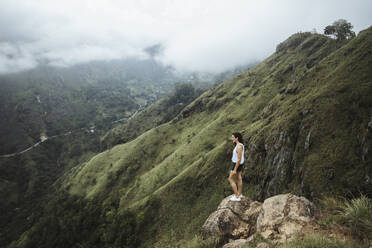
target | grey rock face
x=233, y=219
x=279, y=219
x=283, y=215
x=307, y=142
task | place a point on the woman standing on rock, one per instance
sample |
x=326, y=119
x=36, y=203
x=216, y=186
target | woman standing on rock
x=237, y=166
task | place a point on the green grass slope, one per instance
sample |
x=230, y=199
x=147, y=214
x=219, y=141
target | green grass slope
x=54, y=101
x=305, y=113
x=154, y=115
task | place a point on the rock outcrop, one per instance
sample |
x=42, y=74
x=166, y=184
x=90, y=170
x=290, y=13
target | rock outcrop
x=283, y=215
x=278, y=218
x=233, y=220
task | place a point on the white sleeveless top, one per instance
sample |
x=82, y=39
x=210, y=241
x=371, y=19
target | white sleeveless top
x=235, y=155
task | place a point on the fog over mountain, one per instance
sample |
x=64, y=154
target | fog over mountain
x=190, y=35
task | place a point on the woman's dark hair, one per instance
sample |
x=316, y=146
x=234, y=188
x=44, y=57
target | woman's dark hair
x=239, y=136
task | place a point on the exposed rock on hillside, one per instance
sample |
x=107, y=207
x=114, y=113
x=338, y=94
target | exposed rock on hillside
x=233, y=220
x=278, y=218
x=283, y=215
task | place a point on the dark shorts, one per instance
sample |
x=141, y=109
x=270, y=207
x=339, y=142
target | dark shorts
x=240, y=168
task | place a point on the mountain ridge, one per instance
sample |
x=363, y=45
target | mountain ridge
x=292, y=111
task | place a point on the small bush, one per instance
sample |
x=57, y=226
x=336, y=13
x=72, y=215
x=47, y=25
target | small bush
x=357, y=215
x=318, y=242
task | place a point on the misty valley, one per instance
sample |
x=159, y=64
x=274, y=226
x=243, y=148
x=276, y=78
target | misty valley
x=139, y=124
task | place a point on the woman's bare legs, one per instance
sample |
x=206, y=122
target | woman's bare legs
x=240, y=182
x=233, y=184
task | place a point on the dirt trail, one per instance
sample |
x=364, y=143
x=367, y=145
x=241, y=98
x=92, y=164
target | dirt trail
x=44, y=138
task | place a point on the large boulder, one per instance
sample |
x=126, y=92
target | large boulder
x=233, y=220
x=282, y=216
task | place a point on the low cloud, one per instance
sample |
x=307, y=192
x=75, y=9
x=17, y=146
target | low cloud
x=193, y=35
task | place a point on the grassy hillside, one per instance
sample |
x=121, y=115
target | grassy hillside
x=305, y=113
x=52, y=101
x=55, y=100
x=156, y=114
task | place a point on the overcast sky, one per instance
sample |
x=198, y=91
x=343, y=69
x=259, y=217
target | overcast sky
x=196, y=35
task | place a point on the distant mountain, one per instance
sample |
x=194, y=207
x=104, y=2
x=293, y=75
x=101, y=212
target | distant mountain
x=305, y=114
x=52, y=119
x=53, y=100
x=70, y=108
